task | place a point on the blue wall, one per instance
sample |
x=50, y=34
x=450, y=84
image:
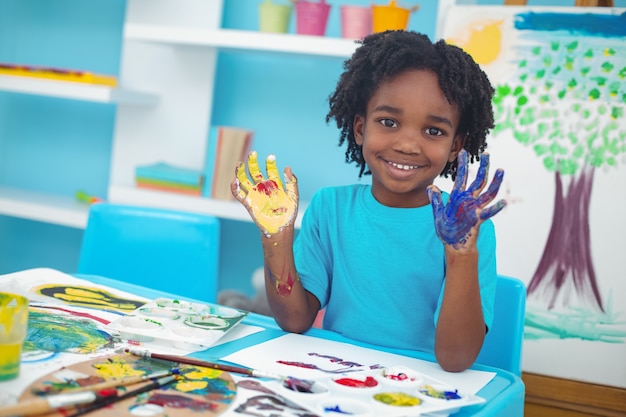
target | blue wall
x=60, y=146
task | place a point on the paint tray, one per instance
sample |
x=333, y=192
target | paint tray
x=177, y=323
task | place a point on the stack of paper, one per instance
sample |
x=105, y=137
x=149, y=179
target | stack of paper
x=227, y=146
x=166, y=177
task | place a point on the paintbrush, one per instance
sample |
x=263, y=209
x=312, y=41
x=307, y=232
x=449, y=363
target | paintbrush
x=112, y=383
x=158, y=383
x=53, y=402
x=301, y=384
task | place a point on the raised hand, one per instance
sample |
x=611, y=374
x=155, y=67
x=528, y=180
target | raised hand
x=466, y=209
x=271, y=206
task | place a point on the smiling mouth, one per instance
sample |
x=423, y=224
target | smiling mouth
x=402, y=166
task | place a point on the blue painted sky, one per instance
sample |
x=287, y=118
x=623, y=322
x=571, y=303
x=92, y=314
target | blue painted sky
x=583, y=24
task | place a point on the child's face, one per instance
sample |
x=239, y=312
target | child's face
x=408, y=136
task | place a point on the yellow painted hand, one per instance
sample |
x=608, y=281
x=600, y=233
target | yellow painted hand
x=271, y=206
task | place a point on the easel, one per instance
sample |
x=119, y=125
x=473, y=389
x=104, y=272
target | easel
x=581, y=3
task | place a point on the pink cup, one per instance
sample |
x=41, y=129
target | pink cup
x=356, y=21
x=311, y=17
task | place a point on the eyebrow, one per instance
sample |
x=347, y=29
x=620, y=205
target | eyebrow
x=440, y=119
x=396, y=111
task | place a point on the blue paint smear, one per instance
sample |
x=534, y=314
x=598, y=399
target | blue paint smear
x=581, y=24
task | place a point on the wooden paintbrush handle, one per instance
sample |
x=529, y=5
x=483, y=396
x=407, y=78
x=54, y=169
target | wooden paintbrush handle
x=45, y=405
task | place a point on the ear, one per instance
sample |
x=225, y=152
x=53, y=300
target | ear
x=358, y=125
x=457, y=144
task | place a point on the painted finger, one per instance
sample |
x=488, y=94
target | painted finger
x=272, y=171
x=493, y=189
x=492, y=210
x=434, y=195
x=461, y=172
x=244, y=183
x=291, y=185
x=481, y=177
x=253, y=167
x=236, y=191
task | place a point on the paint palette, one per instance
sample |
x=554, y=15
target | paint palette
x=394, y=391
x=198, y=391
x=177, y=323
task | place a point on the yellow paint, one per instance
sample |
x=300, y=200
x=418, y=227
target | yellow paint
x=115, y=369
x=10, y=360
x=197, y=379
x=200, y=373
x=270, y=205
x=483, y=41
x=397, y=399
x=13, y=327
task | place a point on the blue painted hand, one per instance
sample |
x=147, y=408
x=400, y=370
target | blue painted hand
x=466, y=208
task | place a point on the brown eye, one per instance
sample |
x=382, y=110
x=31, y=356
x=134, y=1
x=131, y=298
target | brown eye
x=433, y=131
x=387, y=122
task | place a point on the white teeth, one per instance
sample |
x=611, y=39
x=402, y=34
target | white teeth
x=404, y=167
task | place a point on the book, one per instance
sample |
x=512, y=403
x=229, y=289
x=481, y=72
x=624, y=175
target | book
x=227, y=146
x=166, y=177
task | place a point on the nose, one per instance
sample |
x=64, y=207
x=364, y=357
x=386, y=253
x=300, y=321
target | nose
x=408, y=141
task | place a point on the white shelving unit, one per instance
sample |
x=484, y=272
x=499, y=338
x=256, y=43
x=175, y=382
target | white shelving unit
x=74, y=90
x=47, y=208
x=163, y=103
x=243, y=40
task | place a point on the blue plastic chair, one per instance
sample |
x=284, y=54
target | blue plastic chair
x=502, y=347
x=167, y=250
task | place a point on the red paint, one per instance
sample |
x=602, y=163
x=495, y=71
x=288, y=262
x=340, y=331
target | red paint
x=284, y=288
x=268, y=187
x=357, y=383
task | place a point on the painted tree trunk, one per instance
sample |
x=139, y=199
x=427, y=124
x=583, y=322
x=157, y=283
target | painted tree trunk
x=565, y=275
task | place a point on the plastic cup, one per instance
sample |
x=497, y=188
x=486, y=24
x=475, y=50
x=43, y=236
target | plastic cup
x=13, y=327
x=274, y=17
x=389, y=17
x=356, y=21
x=311, y=17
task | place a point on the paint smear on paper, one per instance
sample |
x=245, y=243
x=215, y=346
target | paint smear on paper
x=91, y=297
x=79, y=335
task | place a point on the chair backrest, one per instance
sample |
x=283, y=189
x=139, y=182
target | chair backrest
x=168, y=250
x=502, y=347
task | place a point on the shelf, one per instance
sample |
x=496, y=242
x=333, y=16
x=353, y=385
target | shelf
x=48, y=208
x=74, y=90
x=232, y=210
x=242, y=40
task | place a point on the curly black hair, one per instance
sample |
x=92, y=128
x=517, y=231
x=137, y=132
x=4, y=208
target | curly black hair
x=382, y=56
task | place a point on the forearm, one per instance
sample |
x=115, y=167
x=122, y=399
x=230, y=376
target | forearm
x=292, y=306
x=461, y=326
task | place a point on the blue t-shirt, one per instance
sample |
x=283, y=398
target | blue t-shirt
x=379, y=271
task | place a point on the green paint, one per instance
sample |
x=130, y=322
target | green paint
x=80, y=335
x=575, y=323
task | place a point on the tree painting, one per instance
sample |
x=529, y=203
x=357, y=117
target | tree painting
x=565, y=99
